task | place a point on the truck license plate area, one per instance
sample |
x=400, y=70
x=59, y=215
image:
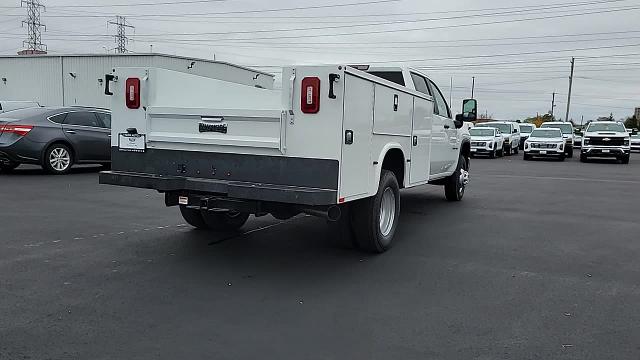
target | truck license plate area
x=132, y=142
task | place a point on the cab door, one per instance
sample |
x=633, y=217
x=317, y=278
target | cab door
x=421, y=133
x=445, y=136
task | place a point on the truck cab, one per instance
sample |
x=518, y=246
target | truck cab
x=333, y=140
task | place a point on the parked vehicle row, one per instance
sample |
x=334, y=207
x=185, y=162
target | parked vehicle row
x=510, y=133
x=55, y=138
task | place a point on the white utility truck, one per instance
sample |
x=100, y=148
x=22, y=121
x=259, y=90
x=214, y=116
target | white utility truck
x=335, y=138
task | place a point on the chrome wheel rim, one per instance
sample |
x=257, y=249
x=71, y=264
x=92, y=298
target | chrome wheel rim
x=59, y=159
x=387, y=211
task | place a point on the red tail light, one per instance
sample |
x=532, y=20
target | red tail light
x=132, y=93
x=310, y=97
x=20, y=130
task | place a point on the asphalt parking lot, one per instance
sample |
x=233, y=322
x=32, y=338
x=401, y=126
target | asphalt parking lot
x=540, y=261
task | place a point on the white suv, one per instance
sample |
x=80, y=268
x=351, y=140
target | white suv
x=567, y=134
x=486, y=141
x=510, y=133
x=545, y=143
x=606, y=139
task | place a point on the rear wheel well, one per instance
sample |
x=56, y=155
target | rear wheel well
x=61, y=142
x=466, y=150
x=394, y=162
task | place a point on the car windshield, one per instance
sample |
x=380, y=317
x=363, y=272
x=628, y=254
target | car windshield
x=481, y=132
x=606, y=127
x=526, y=129
x=565, y=128
x=23, y=113
x=504, y=128
x=546, y=133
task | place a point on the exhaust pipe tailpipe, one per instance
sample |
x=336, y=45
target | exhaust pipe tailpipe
x=332, y=214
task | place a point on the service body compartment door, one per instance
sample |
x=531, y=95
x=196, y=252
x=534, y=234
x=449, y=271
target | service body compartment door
x=356, y=164
x=421, y=140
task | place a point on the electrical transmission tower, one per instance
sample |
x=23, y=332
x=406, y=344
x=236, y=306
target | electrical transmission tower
x=121, y=36
x=33, y=43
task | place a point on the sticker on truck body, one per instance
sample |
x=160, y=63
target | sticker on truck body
x=132, y=142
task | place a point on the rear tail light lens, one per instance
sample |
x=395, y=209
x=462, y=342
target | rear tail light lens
x=132, y=93
x=310, y=95
x=20, y=130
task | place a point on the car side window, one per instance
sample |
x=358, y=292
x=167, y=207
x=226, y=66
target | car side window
x=443, y=109
x=420, y=83
x=58, y=119
x=82, y=118
x=105, y=119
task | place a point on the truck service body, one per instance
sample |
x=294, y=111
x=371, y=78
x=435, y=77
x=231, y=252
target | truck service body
x=334, y=136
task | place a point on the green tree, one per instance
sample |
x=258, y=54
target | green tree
x=631, y=123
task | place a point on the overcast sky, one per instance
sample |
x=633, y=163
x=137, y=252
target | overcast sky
x=519, y=51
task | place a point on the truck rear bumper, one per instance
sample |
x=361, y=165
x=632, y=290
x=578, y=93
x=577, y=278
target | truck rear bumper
x=231, y=189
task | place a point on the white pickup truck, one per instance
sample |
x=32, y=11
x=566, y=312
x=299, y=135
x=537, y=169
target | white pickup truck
x=335, y=138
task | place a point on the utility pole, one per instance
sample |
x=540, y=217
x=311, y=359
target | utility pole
x=33, y=44
x=573, y=60
x=553, y=105
x=451, y=91
x=121, y=38
x=473, y=85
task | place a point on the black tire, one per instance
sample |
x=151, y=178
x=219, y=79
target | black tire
x=58, y=159
x=527, y=157
x=507, y=151
x=8, y=167
x=562, y=157
x=193, y=217
x=570, y=153
x=224, y=221
x=516, y=150
x=583, y=158
x=455, y=186
x=625, y=159
x=501, y=152
x=365, y=216
x=492, y=155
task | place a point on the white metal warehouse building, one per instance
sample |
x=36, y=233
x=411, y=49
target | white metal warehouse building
x=67, y=80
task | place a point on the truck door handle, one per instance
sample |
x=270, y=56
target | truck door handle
x=333, y=78
x=70, y=132
x=415, y=141
x=348, y=137
x=446, y=126
x=395, y=102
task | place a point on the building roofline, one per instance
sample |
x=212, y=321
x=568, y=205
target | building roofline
x=134, y=54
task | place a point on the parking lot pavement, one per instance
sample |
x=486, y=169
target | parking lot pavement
x=540, y=261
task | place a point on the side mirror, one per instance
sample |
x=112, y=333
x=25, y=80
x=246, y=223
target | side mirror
x=469, y=110
x=515, y=131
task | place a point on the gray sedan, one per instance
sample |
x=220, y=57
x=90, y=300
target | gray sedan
x=55, y=138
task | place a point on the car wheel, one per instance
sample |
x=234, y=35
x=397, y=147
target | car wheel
x=570, y=153
x=193, y=217
x=583, y=158
x=492, y=155
x=501, y=152
x=374, y=220
x=456, y=184
x=625, y=159
x=527, y=157
x=562, y=157
x=8, y=167
x=58, y=159
x=224, y=221
x=516, y=150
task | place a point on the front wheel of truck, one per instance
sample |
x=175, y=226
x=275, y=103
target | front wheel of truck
x=456, y=184
x=374, y=220
x=224, y=221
